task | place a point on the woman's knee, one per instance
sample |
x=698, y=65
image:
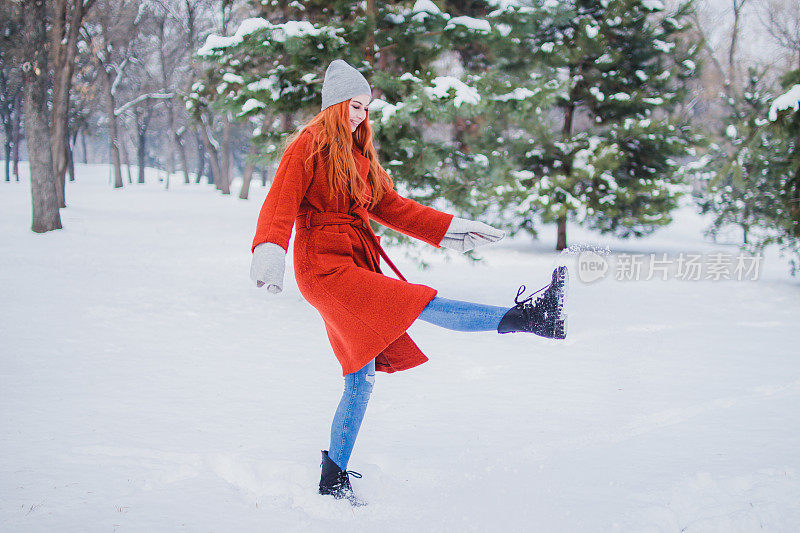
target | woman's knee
x=360, y=384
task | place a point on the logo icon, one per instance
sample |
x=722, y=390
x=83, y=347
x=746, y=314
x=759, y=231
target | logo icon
x=591, y=266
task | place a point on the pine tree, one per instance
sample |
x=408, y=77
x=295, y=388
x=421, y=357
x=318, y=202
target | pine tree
x=522, y=92
x=434, y=86
x=753, y=173
x=784, y=114
x=611, y=163
x=739, y=190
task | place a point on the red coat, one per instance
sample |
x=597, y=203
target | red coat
x=337, y=259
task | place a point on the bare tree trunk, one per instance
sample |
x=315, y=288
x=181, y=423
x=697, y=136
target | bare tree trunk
x=113, y=132
x=170, y=163
x=8, y=159
x=247, y=175
x=561, y=221
x=201, y=166
x=221, y=166
x=57, y=141
x=141, y=135
x=142, y=122
x=176, y=144
x=62, y=78
x=7, y=117
x=170, y=154
x=126, y=160
x=182, y=156
x=83, y=148
x=562, y=233
x=71, y=165
x=201, y=156
x=17, y=133
x=44, y=200
x=224, y=183
x=249, y=166
x=211, y=150
x=67, y=20
x=69, y=146
x=111, y=70
x=369, y=51
x=733, y=72
x=7, y=146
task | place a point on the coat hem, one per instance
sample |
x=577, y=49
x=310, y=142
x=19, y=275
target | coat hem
x=405, y=364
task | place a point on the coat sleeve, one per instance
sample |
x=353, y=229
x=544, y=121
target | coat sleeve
x=276, y=219
x=412, y=218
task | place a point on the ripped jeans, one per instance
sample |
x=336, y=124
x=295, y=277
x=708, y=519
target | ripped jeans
x=451, y=314
x=350, y=413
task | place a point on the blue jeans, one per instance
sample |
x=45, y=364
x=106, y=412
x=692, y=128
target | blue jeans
x=450, y=314
x=462, y=316
x=350, y=413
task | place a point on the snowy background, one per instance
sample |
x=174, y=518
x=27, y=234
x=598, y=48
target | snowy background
x=147, y=385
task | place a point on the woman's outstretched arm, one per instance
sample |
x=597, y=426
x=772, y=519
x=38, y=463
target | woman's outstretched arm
x=412, y=218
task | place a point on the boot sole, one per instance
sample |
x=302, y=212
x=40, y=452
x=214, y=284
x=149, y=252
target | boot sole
x=560, y=329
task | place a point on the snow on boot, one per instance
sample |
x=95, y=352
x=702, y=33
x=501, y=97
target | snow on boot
x=544, y=317
x=336, y=482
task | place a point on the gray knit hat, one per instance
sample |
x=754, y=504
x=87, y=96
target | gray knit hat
x=342, y=82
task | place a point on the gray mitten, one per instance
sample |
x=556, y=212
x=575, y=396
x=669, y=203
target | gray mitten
x=268, y=265
x=464, y=235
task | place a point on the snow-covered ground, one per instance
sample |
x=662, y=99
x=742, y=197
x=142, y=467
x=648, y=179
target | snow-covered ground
x=147, y=385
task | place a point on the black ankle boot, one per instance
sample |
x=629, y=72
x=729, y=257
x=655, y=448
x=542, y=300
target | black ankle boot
x=336, y=482
x=545, y=317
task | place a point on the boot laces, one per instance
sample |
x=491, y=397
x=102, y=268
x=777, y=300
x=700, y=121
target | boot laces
x=344, y=479
x=528, y=302
x=534, y=311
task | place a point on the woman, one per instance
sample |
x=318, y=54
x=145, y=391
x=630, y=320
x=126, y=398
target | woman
x=328, y=185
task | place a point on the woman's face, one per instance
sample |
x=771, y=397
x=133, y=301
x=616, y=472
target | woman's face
x=358, y=110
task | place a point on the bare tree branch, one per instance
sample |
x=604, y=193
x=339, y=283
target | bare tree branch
x=155, y=96
x=707, y=46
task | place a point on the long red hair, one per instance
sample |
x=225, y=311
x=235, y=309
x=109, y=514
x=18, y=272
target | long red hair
x=332, y=138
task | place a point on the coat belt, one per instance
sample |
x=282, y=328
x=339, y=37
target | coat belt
x=359, y=220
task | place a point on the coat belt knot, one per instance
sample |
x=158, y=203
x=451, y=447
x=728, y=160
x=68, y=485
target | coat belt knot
x=359, y=220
